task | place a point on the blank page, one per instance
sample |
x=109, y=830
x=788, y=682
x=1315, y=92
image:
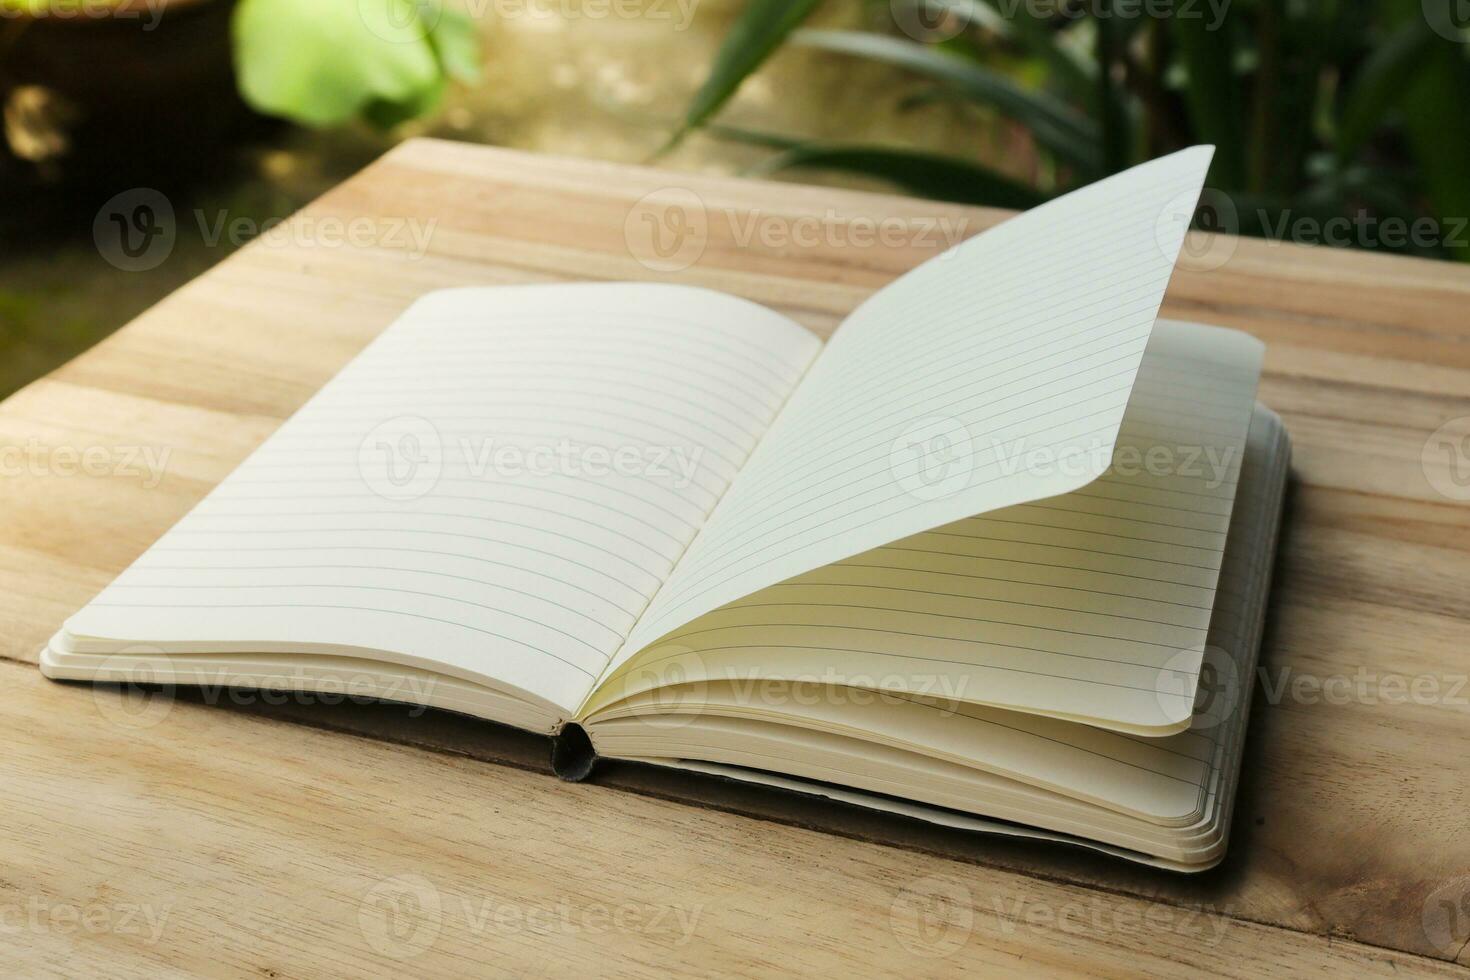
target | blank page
x=494, y=488
x=1092, y=605
x=1029, y=333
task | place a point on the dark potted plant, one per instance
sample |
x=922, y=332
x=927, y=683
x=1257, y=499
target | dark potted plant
x=119, y=86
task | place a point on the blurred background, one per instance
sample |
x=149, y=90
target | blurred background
x=1337, y=123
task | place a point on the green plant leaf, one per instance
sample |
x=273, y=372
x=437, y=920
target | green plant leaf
x=456, y=41
x=385, y=114
x=773, y=141
x=758, y=31
x=1211, y=92
x=1380, y=82
x=1068, y=134
x=1111, y=39
x=925, y=174
x=324, y=62
x=1439, y=130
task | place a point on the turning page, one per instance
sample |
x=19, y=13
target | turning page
x=1091, y=606
x=1031, y=332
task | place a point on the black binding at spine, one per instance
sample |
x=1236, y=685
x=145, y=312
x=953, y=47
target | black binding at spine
x=572, y=754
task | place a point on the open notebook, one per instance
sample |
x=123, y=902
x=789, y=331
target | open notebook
x=988, y=558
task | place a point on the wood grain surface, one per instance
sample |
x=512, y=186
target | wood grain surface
x=170, y=836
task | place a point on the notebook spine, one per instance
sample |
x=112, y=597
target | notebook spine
x=572, y=755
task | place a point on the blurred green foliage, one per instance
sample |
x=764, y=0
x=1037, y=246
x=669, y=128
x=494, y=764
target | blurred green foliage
x=324, y=62
x=1326, y=114
x=327, y=62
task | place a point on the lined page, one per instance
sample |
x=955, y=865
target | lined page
x=1031, y=332
x=1163, y=780
x=494, y=488
x=1093, y=605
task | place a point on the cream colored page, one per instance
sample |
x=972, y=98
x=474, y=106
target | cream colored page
x=1093, y=605
x=1164, y=780
x=494, y=488
x=1032, y=331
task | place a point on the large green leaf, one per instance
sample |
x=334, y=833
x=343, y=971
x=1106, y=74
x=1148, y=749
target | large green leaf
x=1055, y=125
x=324, y=62
x=1439, y=130
x=758, y=31
x=1111, y=40
x=755, y=137
x=1212, y=94
x=1380, y=82
x=456, y=41
x=925, y=174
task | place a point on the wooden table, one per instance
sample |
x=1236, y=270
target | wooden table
x=178, y=836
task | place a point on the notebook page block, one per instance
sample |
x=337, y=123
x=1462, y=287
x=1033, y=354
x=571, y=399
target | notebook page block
x=1090, y=606
x=493, y=489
